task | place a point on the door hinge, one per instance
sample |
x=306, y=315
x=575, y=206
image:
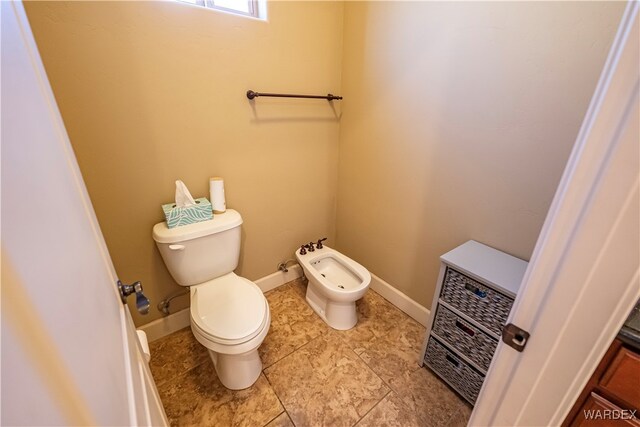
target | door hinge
x=515, y=337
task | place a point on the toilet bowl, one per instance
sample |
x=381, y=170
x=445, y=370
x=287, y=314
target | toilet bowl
x=336, y=282
x=229, y=314
x=230, y=317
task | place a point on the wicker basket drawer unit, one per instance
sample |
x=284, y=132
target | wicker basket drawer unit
x=474, y=294
x=454, y=370
x=480, y=302
x=468, y=339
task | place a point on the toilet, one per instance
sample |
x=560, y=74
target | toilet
x=229, y=314
x=336, y=282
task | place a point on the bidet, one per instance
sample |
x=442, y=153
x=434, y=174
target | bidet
x=336, y=282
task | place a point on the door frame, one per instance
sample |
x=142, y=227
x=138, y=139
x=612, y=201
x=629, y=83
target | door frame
x=573, y=314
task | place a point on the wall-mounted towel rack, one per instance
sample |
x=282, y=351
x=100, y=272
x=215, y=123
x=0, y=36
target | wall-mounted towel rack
x=329, y=97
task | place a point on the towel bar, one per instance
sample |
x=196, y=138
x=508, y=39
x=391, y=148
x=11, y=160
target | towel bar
x=329, y=97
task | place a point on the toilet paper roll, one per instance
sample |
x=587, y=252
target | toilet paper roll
x=142, y=337
x=216, y=191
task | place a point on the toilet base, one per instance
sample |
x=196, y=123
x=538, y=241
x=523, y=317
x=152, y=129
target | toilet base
x=237, y=371
x=338, y=315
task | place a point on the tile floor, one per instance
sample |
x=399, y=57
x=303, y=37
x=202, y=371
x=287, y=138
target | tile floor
x=313, y=375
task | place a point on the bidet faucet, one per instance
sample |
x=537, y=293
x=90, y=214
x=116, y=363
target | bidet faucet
x=319, y=244
x=303, y=251
x=310, y=247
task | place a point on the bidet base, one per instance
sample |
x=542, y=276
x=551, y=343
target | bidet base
x=338, y=315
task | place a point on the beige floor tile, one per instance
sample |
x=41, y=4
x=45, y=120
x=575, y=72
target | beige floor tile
x=321, y=376
x=282, y=420
x=175, y=354
x=426, y=395
x=458, y=419
x=286, y=305
x=390, y=412
x=376, y=318
x=198, y=398
x=293, y=324
x=325, y=384
x=396, y=353
x=300, y=287
x=465, y=409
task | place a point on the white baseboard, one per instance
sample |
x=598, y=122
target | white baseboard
x=416, y=311
x=181, y=319
x=167, y=325
x=279, y=278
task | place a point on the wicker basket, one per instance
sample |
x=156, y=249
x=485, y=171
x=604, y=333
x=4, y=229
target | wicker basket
x=482, y=303
x=464, y=337
x=462, y=377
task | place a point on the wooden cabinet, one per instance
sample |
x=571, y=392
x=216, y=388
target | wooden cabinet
x=622, y=377
x=596, y=404
x=612, y=395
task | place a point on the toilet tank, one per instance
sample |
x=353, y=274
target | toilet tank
x=203, y=251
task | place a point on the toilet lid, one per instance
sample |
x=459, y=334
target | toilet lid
x=229, y=308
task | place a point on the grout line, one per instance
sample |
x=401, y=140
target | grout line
x=289, y=416
x=284, y=408
x=371, y=368
x=391, y=390
x=283, y=357
x=348, y=348
x=303, y=344
x=279, y=413
x=323, y=333
x=293, y=351
x=377, y=403
x=290, y=353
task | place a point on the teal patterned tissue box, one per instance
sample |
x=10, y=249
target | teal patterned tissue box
x=176, y=217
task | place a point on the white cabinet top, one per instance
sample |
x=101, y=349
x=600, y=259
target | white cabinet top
x=491, y=266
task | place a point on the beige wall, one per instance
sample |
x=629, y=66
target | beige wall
x=457, y=121
x=154, y=92
x=456, y=124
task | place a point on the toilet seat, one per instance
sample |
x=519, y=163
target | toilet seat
x=229, y=310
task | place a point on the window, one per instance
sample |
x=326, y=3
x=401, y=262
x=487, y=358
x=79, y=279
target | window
x=243, y=7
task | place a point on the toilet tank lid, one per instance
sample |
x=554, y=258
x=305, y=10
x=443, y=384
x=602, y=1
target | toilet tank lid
x=220, y=222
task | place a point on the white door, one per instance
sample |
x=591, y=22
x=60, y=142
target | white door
x=70, y=355
x=584, y=275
